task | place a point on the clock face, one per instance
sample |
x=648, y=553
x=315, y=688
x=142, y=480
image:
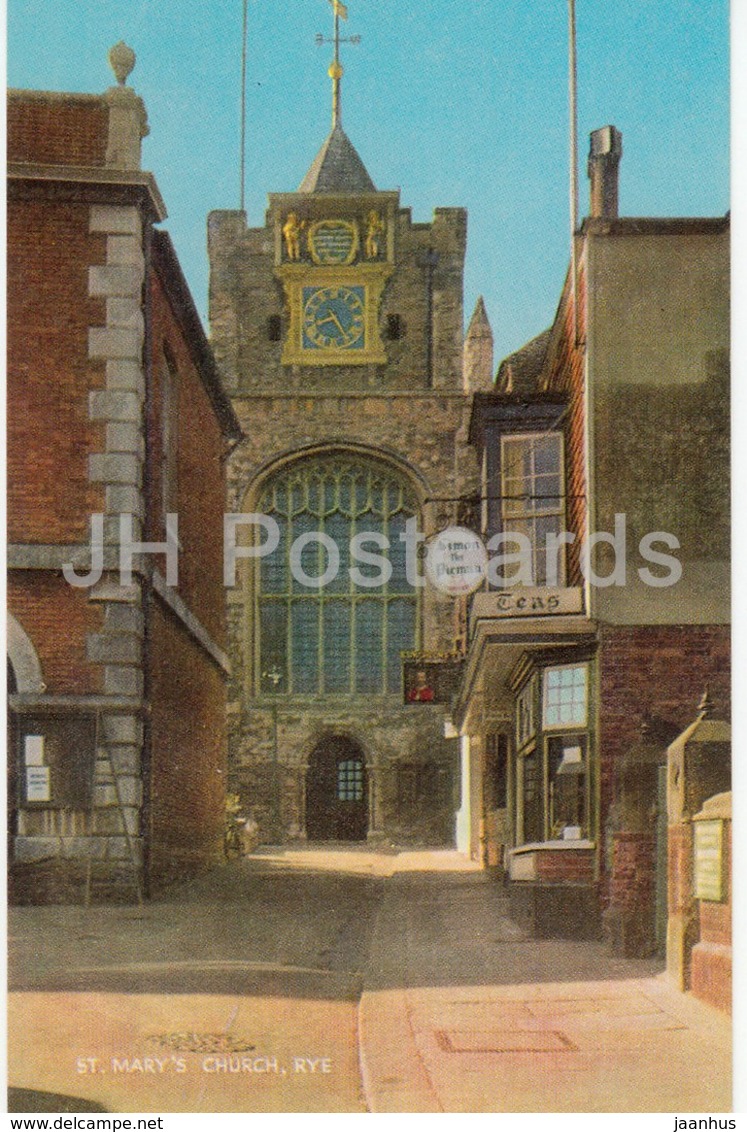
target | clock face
x=333, y=318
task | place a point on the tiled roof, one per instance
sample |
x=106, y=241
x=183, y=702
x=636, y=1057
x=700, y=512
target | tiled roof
x=519, y=372
x=337, y=168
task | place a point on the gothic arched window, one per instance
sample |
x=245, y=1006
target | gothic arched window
x=343, y=637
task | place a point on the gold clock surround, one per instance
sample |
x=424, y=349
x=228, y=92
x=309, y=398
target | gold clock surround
x=368, y=278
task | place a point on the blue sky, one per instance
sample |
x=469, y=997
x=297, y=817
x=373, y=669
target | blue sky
x=454, y=102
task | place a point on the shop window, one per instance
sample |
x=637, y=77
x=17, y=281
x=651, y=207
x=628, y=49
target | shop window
x=533, y=499
x=552, y=764
x=568, y=786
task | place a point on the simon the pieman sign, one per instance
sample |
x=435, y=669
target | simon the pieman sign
x=456, y=561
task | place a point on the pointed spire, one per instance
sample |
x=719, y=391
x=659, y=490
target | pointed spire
x=478, y=351
x=337, y=168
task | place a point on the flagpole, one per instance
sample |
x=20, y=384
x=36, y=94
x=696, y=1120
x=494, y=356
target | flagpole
x=572, y=83
x=242, y=158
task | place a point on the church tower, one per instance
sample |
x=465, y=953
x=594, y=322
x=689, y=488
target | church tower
x=338, y=331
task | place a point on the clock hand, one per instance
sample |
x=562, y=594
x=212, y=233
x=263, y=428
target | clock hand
x=332, y=317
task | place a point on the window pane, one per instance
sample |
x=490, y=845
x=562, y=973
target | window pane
x=273, y=634
x=336, y=646
x=400, y=638
x=568, y=776
x=350, y=781
x=546, y=454
x=371, y=525
x=532, y=485
x=309, y=557
x=398, y=556
x=565, y=696
x=369, y=641
x=273, y=567
x=338, y=529
x=305, y=645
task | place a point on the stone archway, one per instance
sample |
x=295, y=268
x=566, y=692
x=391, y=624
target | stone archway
x=337, y=791
x=23, y=659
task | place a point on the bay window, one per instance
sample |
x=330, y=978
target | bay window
x=552, y=761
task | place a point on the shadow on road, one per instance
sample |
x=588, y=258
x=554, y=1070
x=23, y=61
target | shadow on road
x=316, y=923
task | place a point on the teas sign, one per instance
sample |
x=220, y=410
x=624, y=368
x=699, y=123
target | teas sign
x=456, y=561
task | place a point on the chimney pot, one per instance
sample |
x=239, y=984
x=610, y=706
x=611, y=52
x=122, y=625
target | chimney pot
x=605, y=152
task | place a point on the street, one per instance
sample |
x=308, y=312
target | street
x=346, y=980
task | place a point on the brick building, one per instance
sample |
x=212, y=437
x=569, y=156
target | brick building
x=614, y=420
x=337, y=327
x=117, y=685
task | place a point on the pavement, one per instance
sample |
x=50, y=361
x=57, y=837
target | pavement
x=345, y=980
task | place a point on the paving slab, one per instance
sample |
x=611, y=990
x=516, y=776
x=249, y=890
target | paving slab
x=486, y=1020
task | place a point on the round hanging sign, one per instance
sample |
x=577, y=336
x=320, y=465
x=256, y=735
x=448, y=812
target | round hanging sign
x=456, y=561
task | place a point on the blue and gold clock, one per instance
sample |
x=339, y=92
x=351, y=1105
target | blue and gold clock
x=334, y=318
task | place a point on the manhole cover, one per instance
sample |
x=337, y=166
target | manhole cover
x=503, y=1041
x=185, y=1042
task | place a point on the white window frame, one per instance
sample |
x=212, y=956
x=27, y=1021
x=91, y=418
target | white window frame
x=577, y=723
x=520, y=512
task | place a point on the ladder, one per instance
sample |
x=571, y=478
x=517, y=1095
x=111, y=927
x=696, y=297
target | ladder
x=102, y=753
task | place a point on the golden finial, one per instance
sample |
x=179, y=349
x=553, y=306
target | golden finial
x=335, y=72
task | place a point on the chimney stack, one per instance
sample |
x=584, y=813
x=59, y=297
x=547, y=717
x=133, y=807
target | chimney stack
x=604, y=161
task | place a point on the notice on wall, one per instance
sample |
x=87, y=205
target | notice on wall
x=709, y=860
x=33, y=750
x=38, y=784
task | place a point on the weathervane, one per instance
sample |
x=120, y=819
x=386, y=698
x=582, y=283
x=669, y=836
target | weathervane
x=335, y=71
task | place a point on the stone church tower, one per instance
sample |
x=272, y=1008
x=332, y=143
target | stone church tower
x=338, y=331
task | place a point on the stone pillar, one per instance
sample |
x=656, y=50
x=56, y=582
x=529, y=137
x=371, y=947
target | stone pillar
x=711, y=959
x=698, y=766
x=375, y=818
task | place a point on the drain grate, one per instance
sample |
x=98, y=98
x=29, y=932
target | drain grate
x=185, y=1042
x=504, y=1041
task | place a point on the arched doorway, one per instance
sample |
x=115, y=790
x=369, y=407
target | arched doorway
x=336, y=791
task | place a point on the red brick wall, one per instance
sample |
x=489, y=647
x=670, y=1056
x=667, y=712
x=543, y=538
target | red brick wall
x=62, y=130
x=554, y=866
x=567, y=376
x=200, y=471
x=633, y=876
x=49, y=374
x=655, y=670
x=711, y=971
x=57, y=617
x=188, y=751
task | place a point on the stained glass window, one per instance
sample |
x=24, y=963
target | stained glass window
x=344, y=637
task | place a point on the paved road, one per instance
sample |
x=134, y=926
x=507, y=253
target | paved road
x=324, y=980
